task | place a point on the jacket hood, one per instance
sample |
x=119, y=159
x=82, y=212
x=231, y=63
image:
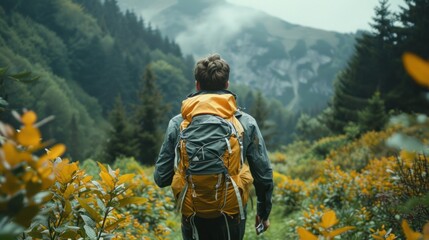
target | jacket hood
x=222, y=104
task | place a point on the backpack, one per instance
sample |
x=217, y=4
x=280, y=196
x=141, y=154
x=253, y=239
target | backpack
x=211, y=178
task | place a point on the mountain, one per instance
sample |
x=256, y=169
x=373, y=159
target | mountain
x=292, y=63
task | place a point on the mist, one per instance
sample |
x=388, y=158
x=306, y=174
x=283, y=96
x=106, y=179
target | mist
x=264, y=52
x=213, y=28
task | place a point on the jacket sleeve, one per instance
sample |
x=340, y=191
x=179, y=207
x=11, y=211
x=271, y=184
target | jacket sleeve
x=164, y=166
x=260, y=167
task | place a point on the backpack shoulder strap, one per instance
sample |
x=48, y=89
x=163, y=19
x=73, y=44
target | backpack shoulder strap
x=240, y=132
x=184, y=124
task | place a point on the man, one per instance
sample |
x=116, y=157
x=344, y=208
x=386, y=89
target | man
x=212, y=77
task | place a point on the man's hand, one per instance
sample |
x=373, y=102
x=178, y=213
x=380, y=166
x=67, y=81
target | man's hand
x=261, y=226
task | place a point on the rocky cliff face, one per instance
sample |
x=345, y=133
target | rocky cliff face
x=292, y=63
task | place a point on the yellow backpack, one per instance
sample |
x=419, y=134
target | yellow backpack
x=211, y=177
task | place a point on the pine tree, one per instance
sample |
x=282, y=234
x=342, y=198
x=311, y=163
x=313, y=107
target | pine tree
x=351, y=87
x=75, y=149
x=414, y=33
x=373, y=116
x=383, y=51
x=261, y=112
x=249, y=100
x=120, y=141
x=150, y=114
x=413, y=36
x=369, y=70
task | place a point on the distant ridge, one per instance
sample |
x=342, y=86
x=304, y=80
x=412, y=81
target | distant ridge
x=289, y=62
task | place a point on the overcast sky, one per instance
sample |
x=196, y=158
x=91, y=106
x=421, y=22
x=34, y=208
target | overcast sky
x=336, y=15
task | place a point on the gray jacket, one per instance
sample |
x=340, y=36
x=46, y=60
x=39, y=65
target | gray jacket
x=255, y=152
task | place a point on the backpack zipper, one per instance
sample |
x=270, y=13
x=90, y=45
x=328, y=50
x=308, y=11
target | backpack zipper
x=219, y=181
x=194, y=194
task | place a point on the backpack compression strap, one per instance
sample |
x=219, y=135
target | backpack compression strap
x=239, y=200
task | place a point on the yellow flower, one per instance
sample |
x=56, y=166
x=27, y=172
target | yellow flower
x=407, y=156
x=382, y=234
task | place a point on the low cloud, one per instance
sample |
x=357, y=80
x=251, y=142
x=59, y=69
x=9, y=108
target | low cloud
x=213, y=28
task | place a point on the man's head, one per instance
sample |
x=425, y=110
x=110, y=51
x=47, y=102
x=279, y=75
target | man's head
x=211, y=73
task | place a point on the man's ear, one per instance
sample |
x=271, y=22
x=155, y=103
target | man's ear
x=197, y=86
x=227, y=84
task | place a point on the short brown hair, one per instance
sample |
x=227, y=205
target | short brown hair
x=212, y=73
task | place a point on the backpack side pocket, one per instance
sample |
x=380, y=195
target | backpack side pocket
x=177, y=184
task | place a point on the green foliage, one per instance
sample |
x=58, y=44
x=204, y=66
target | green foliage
x=281, y=227
x=27, y=43
x=413, y=188
x=84, y=208
x=120, y=141
x=90, y=167
x=373, y=116
x=25, y=77
x=274, y=120
x=290, y=193
x=352, y=130
x=376, y=66
x=127, y=165
x=149, y=114
x=300, y=161
x=46, y=197
x=361, y=179
x=414, y=34
x=25, y=175
x=85, y=52
x=175, y=87
x=308, y=128
x=261, y=111
x=284, y=122
x=324, y=146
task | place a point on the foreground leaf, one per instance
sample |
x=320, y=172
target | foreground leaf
x=125, y=178
x=426, y=231
x=29, y=118
x=114, y=225
x=409, y=233
x=107, y=180
x=132, y=200
x=90, y=232
x=29, y=136
x=91, y=211
x=55, y=151
x=339, y=231
x=417, y=67
x=304, y=234
x=329, y=219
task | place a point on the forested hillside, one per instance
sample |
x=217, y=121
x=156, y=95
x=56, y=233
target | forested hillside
x=85, y=54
